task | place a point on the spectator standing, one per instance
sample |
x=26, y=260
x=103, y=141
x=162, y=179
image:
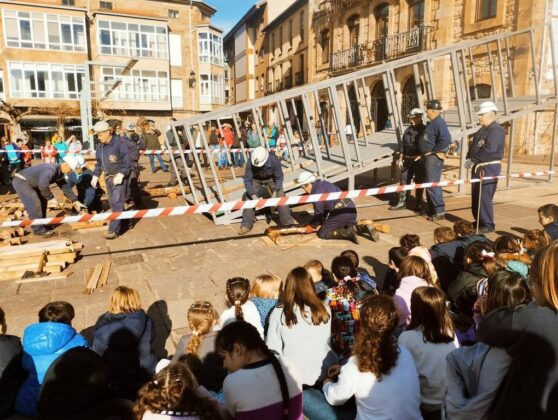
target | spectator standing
x=272, y=134
x=25, y=154
x=14, y=157
x=43, y=343
x=252, y=137
x=123, y=338
x=49, y=152
x=74, y=145
x=62, y=149
x=150, y=138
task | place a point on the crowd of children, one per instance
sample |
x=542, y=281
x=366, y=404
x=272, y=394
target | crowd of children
x=465, y=329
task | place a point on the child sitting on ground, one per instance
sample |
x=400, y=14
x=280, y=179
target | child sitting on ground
x=548, y=218
x=443, y=253
x=509, y=250
x=196, y=349
x=322, y=277
x=363, y=273
x=241, y=309
x=412, y=243
x=533, y=240
x=391, y=282
x=413, y=273
x=265, y=292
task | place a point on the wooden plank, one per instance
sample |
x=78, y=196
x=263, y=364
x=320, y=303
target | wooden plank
x=78, y=246
x=11, y=275
x=67, y=257
x=46, y=246
x=25, y=267
x=15, y=241
x=87, y=275
x=104, y=274
x=52, y=268
x=94, y=279
x=44, y=278
x=86, y=225
x=21, y=261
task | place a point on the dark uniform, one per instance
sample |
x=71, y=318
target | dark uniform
x=133, y=190
x=33, y=187
x=89, y=196
x=333, y=214
x=178, y=159
x=113, y=158
x=257, y=180
x=436, y=138
x=487, y=146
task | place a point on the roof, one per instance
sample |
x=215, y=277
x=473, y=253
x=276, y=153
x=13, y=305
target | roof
x=200, y=3
x=286, y=14
x=259, y=6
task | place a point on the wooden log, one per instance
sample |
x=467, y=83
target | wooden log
x=104, y=274
x=159, y=192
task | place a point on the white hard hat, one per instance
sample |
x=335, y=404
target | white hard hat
x=306, y=178
x=130, y=127
x=73, y=161
x=415, y=112
x=100, y=126
x=259, y=156
x=487, y=107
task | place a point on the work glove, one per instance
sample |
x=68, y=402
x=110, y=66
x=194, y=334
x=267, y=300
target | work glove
x=118, y=178
x=400, y=164
x=469, y=164
x=254, y=197
x=53, y=203
x=94, y=181
x=79, y=206
x=309, y=229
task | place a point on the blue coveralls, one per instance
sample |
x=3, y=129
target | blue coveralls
x=488, y=145
x=133, y=189
x=408, y=148
x=332, y=214
x=89, y=196
x=436, y=138
x=33, y=187
x=113, y=158
x=256, y=181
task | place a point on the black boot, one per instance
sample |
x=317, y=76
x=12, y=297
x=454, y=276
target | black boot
x=401, y=202
x=349, y=233
x=368, y=231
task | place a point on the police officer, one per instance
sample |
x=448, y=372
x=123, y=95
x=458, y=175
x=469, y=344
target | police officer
x=406, y=162
x=432, y=147
x=33, y=187
x=263, y=178
x=135, y=144
x=114, y=160
x=178, y=159
x=81, y=179
x=484, y=157
x=338, y=218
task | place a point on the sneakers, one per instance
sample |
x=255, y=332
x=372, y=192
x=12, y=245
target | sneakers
x=436, y=217
x=110, y=235
x=244, y=230
x=486, y=229
x=44, y=233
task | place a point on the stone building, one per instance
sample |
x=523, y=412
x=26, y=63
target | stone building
x=144, y=58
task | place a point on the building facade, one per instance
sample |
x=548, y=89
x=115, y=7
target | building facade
x=143, y=58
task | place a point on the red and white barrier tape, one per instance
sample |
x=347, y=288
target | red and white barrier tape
x=162, y=152
x=261, y=203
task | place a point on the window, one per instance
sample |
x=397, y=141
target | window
x=210, y=47
x=353, y=24
x=175, y=49
x=139, y=85
x=44, y=31
x=272, y=51
x=45, y=80
x=381, y=14
x=486, y=9
x=416, y=13
x=132, y=40
x=2, y=86
x=302, y=26
x=211, y=89
x=290, y=33
x=176, y=94
x=70, y=3
x=173, y=14
x=324, y=44
x=105, y=5
x=280, y=40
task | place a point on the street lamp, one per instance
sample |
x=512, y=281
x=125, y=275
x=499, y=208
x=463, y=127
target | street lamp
x=192, y=79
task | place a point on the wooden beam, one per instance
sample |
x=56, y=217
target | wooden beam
x=105, y=273
x=94, y=279
x=67, y=257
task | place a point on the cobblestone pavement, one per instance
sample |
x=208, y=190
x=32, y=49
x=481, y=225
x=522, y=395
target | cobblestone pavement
x=173, y=261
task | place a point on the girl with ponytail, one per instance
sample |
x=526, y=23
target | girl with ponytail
x=259, y=385
x=175, y=394
x=196, y=349
x=380, y=374
x=241, y=309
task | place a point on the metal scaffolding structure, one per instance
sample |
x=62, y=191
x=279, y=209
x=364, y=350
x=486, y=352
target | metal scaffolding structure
x=349, y=108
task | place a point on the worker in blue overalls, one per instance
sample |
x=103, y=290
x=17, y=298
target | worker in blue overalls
x=337, y=218
x=113, y=159
x=432, y=147
x=410, y=168
x=485, y=158
x=263, y=178
x=81, y=180
x=33, y=187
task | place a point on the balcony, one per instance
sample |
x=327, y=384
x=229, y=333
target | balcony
x=386, y=48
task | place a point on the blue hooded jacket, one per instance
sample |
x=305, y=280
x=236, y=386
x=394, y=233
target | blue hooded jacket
x=43, y=343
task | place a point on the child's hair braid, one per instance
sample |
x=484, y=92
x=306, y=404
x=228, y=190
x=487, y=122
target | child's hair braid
x=201, y=317
x=238, y=292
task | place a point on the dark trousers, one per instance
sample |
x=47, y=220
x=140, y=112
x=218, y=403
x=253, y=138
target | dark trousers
x=180, y=168
x=410, y=170
x=133, y=189
x=35, y=204
x=342, y=218
x=432, y=166
x=484, y=197
x=262, y=189
x=117, y=201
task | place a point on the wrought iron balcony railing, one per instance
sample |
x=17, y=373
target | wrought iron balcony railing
x=385, y=48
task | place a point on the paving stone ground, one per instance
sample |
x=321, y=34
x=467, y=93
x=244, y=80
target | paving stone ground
x=173, y=261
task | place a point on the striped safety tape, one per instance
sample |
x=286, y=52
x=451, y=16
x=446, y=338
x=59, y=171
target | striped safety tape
x=261, y=203
x=163, y=152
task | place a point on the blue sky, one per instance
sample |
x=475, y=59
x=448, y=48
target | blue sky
x=229, y=12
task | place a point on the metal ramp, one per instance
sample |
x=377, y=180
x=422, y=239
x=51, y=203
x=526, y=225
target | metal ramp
x=324, y=109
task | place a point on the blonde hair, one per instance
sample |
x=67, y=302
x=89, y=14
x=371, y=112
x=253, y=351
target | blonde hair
x=315, y=268
x=201, y=317
x=544, y=276
x=267, y=286
x=124, y=300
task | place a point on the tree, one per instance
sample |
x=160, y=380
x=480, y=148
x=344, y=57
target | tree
x=15, y=114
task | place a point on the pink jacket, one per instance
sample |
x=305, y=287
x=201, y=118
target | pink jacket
x=402, y=297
